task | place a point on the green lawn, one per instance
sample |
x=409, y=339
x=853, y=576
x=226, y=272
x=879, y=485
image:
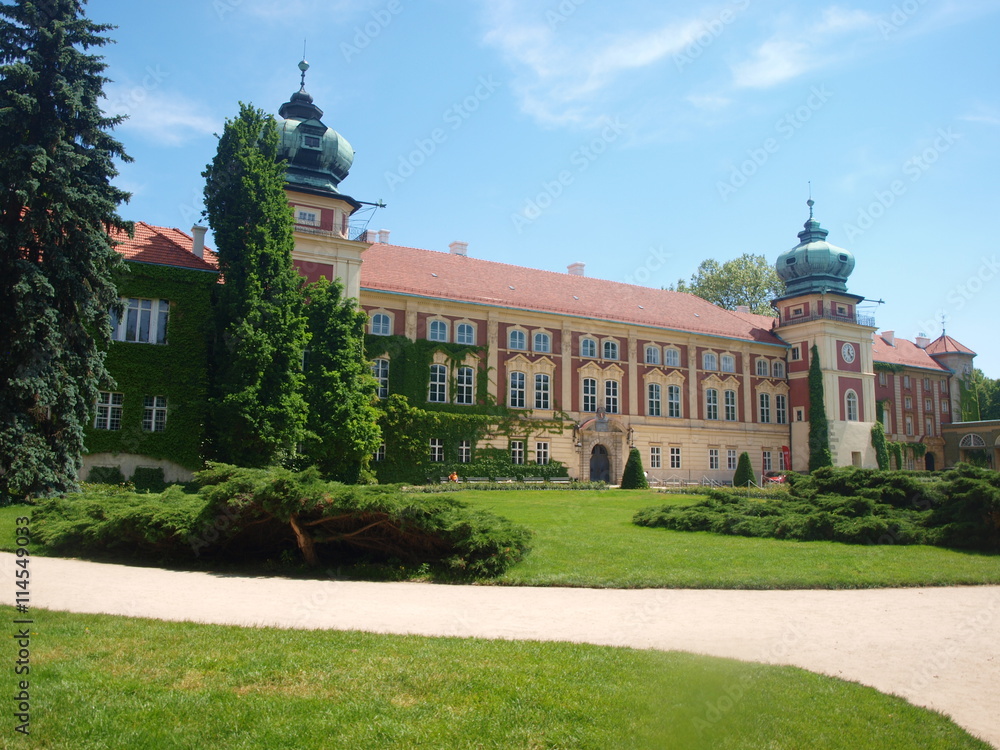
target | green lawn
x=112, y=682
x=586, y=538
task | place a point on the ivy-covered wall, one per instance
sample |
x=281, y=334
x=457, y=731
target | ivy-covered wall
x=409, y=421
x=177, y=369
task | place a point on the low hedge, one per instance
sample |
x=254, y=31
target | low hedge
x=961, y=508
x=259, y=514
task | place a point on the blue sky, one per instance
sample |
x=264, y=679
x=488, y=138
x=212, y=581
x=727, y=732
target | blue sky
x=638, y=137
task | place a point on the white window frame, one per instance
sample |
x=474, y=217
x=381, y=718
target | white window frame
x=517, y=340
x=851, y=406
x=777, y=369
x=516, y=386
x=732, y=459
x=713, y=458
x=380, y=371
x=652, y=354
x=465, y=452
x=437, y=389
x=437, y=330
x=712, y=403
x=675, y=458
x=780, y=408
x=611, y=396
x=674, y=409
x=542, y=453
x=381, y=324
x=589, y=395
x=764, y=408
x=154, y=413
x=765, y=460
x=727, y=363
x=109, y=410
x=729, y=405
x=655, y=457
x=610, y=350
x=654, y=400
x=543, y=391
x=709, y=361
x=436, y=446
x=465, y=334
x=763, y=368
x=541, y=342
x=671, y=357
x=379, y=454
x=588, y=348
x=517, y=452
x=465, y=386
x=146, y=321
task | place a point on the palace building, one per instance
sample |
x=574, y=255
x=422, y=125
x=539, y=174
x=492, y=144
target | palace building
x=592, y=367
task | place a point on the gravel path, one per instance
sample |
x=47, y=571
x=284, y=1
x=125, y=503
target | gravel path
x=937, y=647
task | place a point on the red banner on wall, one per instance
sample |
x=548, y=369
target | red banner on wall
x=788, y=457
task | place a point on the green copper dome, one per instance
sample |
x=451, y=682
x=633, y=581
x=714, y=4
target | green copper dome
x=318, y=157
x=814, y=265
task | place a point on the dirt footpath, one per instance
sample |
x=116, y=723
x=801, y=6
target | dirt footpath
x=936, y=647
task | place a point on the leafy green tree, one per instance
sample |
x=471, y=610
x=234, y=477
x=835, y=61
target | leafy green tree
x=744, y=471
x=56, y=257
x=258, y=413
x=343, y=431
x=986, y=393
x=748, y=280
x=634, y=478
x=819, y=431
x=880, y=445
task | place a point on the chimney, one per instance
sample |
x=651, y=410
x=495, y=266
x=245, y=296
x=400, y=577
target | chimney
x=459, y=248
x=198, y=240
x=922, y=341
x=575, y=269
x=383, y=236
x=369, y=235
x=890, y=337
x=743, y=308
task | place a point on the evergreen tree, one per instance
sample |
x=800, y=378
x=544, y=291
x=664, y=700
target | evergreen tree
x=634, y=477
x=257, y=410
x=819, y=431
x=880, y=445
x=56, y=257
x=342, y=429
x=744, y=471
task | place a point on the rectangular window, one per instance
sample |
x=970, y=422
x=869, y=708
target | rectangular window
x=909, y=425
x=796, y=353
x=438, y=331
x=675, y=458
x=906, y=381
x=945, y=405
x=655, y=457
x=766, y=461
x=781, y=461
x=515, y=395
x=145, y=321
x=437, y=450
x=542, y=391
x=929, y=426
x=882, y=379
x=589, y=394
x=464, y=386
x=928, y=405
x=437, y=392
x=109, y=411
x=711, y=404
x=671, y=358
x=765, y=408
x=944, y=386
x=465, y=452
x=653, y=402
x=908, y=403
x=731, y=459
x=154, y=418
x=380, y=369
x=927, y=384
x=730, y=397
x=728, y=363
x=542, y=454
x=517, y=452
x=380, y=453
x=713, y=458
x=465, y=333
x=306, y=217
x=611, y=396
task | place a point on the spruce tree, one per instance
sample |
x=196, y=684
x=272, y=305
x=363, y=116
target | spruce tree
x=744, y=471
x=634, y=477
x=339, y=388
x=257, y=412
x=56, y=258
x=819, y=431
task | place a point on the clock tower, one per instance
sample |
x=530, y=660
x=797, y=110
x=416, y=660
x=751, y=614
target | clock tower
x=817, y=310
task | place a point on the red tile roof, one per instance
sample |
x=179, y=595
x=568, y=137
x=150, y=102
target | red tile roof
x=163, y=246
x=944, y=344
x=428, y=273
x=903, y=353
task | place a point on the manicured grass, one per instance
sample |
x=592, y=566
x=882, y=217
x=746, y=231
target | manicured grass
x=588, y=539
x=112, y=682
x=8, y=535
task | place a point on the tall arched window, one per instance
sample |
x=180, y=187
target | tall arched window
x=589, y=395
x=438, y=391
x=611, y=396
x=709, y=361
x=780, y=409
x=652, y=355
x=610, y=350
x=762, y=368
x=673, y=401
x=778, y=369
x=728, y=363
x=730, y=405
x=851, y=406
x=711, y=403
x=516, y=340
x=653, y=402
x=515, y=394
x=438, y=331
x=671, y=358
x=765, y=407
x=543, y=342
x=588, y=348
x=381, y=325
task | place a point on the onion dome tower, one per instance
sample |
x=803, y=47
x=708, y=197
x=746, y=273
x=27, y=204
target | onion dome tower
x=318, y=159
x=817, y=310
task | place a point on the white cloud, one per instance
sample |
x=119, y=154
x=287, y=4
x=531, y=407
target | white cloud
x=169, y=118
x=797, y=49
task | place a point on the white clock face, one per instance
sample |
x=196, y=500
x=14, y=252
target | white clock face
x=847, y=352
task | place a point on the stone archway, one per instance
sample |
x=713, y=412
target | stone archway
x=600, y=464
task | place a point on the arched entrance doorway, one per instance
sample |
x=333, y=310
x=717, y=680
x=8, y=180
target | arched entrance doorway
x=929, y=462
x=600, y=464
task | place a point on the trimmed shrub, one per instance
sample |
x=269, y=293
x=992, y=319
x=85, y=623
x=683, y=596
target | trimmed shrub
x=106, y=475
x=147, y=479
x=634, y=477
x=744, y=471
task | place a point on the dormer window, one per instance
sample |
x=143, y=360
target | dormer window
x=311, y=141
x=306, y=217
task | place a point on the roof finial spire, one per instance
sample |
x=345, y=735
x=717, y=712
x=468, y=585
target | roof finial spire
x=303, y=66
x=810, y=202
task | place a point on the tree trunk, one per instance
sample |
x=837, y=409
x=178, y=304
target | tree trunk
x=305, y=542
